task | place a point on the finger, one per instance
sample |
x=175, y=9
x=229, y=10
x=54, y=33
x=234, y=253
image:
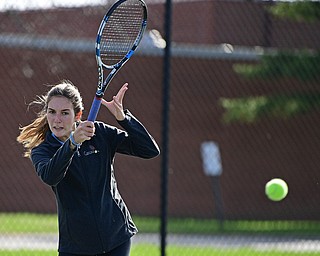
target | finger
x=104, y=102
x=124, y=86
x=89, y=124
x=117, y=100
x=86, y=129
x=122, y=92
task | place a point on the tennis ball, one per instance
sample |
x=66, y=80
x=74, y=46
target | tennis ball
x=276, y=189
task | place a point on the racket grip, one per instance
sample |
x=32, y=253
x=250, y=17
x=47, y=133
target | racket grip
x=94, y=109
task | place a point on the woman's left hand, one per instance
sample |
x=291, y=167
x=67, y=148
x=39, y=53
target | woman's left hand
x=115, y=105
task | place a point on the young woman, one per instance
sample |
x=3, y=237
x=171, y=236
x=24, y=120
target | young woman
x=76, y=159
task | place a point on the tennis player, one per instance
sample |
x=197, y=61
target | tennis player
x=76, y=158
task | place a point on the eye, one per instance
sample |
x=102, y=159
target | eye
x=65, y=113
x=51, y=111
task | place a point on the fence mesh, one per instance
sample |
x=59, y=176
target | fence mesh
x=244, y=109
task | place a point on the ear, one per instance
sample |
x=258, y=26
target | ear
x=78, y=116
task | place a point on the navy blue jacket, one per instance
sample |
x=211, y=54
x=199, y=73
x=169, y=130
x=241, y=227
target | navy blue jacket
x=93, y=217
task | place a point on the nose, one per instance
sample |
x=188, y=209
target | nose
x=57, y=118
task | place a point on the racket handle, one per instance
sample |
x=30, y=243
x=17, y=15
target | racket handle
x=94, y=109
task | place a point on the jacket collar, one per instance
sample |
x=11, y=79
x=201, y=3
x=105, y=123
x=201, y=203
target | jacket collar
x=53, y=140
x=54, y=136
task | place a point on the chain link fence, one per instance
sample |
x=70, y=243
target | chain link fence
x=244, y=108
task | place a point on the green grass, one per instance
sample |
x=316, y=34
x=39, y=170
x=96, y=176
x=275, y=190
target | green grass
x=47, y=223
x=13, y=223
x=28, y=223
x=153, y=250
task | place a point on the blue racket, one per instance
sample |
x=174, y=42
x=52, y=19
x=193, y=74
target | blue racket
x=119, y=35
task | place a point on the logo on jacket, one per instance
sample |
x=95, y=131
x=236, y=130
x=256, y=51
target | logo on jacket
x=92, y=150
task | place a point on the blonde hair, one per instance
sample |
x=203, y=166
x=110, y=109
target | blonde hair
x=34, y=133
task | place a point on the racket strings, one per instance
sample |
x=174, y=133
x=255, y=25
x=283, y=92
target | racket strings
x=121, y=31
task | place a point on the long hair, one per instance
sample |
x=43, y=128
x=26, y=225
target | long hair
x=34, y=133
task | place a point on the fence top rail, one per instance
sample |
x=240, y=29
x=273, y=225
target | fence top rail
x=148, y=47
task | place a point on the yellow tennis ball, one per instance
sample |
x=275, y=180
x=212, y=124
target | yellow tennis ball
x=276, y=189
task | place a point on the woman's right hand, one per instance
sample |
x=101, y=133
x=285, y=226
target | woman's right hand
x=84, y=131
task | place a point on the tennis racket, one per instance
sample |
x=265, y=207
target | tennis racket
x=119, y=35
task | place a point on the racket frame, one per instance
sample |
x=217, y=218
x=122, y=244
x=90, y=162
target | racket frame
x=103, y=84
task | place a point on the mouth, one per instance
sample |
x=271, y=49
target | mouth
x=58, y=128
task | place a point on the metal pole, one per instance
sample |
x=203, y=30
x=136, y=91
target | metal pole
x=218, y=201
x=165, y=127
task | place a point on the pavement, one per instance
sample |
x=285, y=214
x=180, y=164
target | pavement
x=257, y=242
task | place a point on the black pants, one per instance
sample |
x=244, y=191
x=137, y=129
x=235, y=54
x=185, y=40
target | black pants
x=122, y=250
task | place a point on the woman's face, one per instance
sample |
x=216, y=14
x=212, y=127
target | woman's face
x=61, y=117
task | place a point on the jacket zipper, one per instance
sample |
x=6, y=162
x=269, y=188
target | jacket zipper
x=103, y=250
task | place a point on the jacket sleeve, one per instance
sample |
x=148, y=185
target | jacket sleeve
x=136, y=141
x=52, y=167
